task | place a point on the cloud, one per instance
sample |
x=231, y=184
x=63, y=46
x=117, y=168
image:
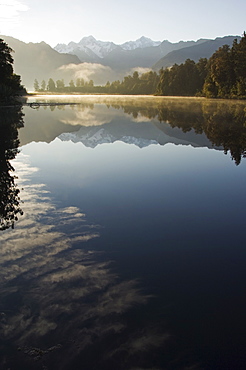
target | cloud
x=85, y=116
x=11, y=8
x=89, y=71
x=10, y=14
x=140, y=70
x=99, y=73
x=38, y=231
x=67, y=292
x=140, y=118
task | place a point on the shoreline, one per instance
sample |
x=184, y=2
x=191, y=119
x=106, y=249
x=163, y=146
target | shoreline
x=127, y=96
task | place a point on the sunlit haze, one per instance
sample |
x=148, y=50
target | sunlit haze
x=63, y=21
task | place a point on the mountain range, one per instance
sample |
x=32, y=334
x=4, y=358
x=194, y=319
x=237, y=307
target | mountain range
x=37, y=60
x=143, y=52
x=129, y=133
x=104, y=61
x=99, y=49
x=194, y=52
x=66, y=125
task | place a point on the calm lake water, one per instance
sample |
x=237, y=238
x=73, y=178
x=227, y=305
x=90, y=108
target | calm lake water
x=131, y=251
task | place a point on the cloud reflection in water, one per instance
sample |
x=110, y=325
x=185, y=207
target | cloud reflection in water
x=54, y=290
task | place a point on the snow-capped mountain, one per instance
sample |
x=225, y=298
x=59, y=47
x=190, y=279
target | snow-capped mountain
x=142, y=52
x=92, y=139
x=102, y=48
x=87, y=44
x=142, y=42
x=111, y=132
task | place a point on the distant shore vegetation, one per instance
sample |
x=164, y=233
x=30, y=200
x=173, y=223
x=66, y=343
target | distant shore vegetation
x=135, y=84
x=221, y=76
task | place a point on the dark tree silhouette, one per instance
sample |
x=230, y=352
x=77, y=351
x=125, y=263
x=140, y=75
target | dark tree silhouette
x=11, y=119
x=10, y=83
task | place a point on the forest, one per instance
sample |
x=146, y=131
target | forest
x=221, y=76
x=136, y=84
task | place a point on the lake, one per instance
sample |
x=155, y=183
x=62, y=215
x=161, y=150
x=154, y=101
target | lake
x=130, y=252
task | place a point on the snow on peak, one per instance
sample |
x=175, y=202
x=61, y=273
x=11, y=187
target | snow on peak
x=97, y=136
x=103, y=48
x=100, y=48
x=87, y=39
x=142, y=42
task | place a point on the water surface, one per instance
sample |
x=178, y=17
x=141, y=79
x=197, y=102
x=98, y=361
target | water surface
x=130, y=253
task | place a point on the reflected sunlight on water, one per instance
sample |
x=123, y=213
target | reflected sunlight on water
x=130, y=253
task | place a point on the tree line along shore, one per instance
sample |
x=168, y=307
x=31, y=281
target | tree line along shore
x=221, y=76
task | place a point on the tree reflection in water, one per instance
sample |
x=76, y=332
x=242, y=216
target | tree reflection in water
x=63, y=305
x=11, y=119
x=223, y=122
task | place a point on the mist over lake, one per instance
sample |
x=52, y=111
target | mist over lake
x=130, y=251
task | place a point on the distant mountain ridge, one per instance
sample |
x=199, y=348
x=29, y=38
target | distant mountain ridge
x=194, y=52
x=142, y=42
x=103, y=61
x=37, y=60
x=143, y=52
x=103, y=48
x=129, y=133
x=89, y=45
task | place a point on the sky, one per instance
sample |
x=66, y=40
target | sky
x=120, y=21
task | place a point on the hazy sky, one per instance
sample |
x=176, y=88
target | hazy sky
x=119, y=21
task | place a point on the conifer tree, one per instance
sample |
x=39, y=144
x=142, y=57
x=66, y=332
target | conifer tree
x=51, y=85
x=36, y=85
x=43, y=85
x=10, y=83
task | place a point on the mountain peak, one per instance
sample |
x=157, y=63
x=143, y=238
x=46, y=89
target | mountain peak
x=86, y=39
x=103, y=48
x=143, y=38
x=142, y=42
x=89, y=45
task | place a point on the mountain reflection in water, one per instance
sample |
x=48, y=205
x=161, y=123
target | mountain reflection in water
x=124, y=258
x=142, y=121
